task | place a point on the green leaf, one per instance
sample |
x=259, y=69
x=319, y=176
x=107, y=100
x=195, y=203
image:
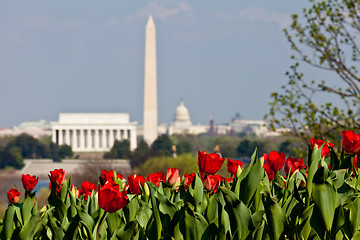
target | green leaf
x=127, y=231
x=210, y=232
x=144, y=215
x=27, y=208
x=31, y=226
x=313, y=163
x=240, y=217
x=251, y=182
x=9, y=225
x=198, y=193
x=57, y=230
x=304, y=222
x=246, y=170
x=192, y=224
x=165, y=206
x=275, y=217
x=354, y=215
x=257, y=218
x=132, y=209
x=324, y=196
x=86, y=218
x=155, y=209
x=212, y=210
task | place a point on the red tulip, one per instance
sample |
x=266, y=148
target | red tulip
x=58, y=188
x=109, y=176
x=293, y=164
x=325, y=150
x=110, y=198
x=156, y=178
x=188, y=179
x=133, y=182
x=274, y=160
x=211, y=182
x=350, y=142
x=57, y=176
x=173, y=177
x=269, y=172
x=13, y=195
x=29, y=182
x=230, y=179
x=233, y=165
x=87, y=188
x=209, y=163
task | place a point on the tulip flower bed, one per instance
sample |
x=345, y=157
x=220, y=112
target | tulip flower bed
x=319, y=200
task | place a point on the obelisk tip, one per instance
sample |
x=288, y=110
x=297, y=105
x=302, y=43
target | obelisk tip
x=150, y=21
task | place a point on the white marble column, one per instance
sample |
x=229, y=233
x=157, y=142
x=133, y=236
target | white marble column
x=111, y=138
x=61, y=140
x=82, y=139
x=126, y=134
x=90, y=140
x=121, y=134
x=86, y=138
x=53, y=136
x=104, y=139
x=74, y=139
x=67, y=137
x=96, y=139
x=118, y=136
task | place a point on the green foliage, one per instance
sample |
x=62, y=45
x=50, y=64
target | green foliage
x=185, y=162
x=54, y=151
x=30, y=147
x=10, y=158
x=228, y=146
x=140, y=154
x=65, y=151
x=190, y=143
x=120, y=150
x=323, y=37
x=162, y=146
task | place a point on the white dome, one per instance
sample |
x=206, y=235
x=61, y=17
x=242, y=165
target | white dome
x=182, y=117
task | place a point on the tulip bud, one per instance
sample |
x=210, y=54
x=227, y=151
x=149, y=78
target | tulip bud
x=211, y=182
x=239, y=171
x=74, y=191
x=13, y=195
x=173, y=177
x=147, y=190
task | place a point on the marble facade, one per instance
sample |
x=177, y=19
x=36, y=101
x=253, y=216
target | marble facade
x=93, y=132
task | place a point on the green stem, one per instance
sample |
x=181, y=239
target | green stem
x=99, y=226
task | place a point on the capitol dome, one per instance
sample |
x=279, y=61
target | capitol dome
x=182, y=116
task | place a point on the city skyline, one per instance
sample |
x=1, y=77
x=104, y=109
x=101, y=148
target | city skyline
x=220, y=59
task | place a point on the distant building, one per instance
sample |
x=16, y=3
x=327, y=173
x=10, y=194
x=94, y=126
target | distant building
x=93, y=132
x=182, y=123
x=34, y=129
x=258, y=127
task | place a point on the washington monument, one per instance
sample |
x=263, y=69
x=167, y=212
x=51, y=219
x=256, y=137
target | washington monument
x=150, y=85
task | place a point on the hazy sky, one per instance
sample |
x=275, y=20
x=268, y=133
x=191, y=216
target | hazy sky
x=221, y=57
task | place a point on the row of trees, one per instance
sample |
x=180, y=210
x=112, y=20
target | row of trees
x=23, y=146
x=229, y=147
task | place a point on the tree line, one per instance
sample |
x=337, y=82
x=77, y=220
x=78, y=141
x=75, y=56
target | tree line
x=25, y=146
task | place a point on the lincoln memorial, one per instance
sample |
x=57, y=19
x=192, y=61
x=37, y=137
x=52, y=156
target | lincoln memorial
x=93, y=132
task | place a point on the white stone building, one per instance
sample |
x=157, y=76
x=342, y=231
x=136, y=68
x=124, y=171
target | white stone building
x=182, y=123
x=35, y=129
x=93, y=132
